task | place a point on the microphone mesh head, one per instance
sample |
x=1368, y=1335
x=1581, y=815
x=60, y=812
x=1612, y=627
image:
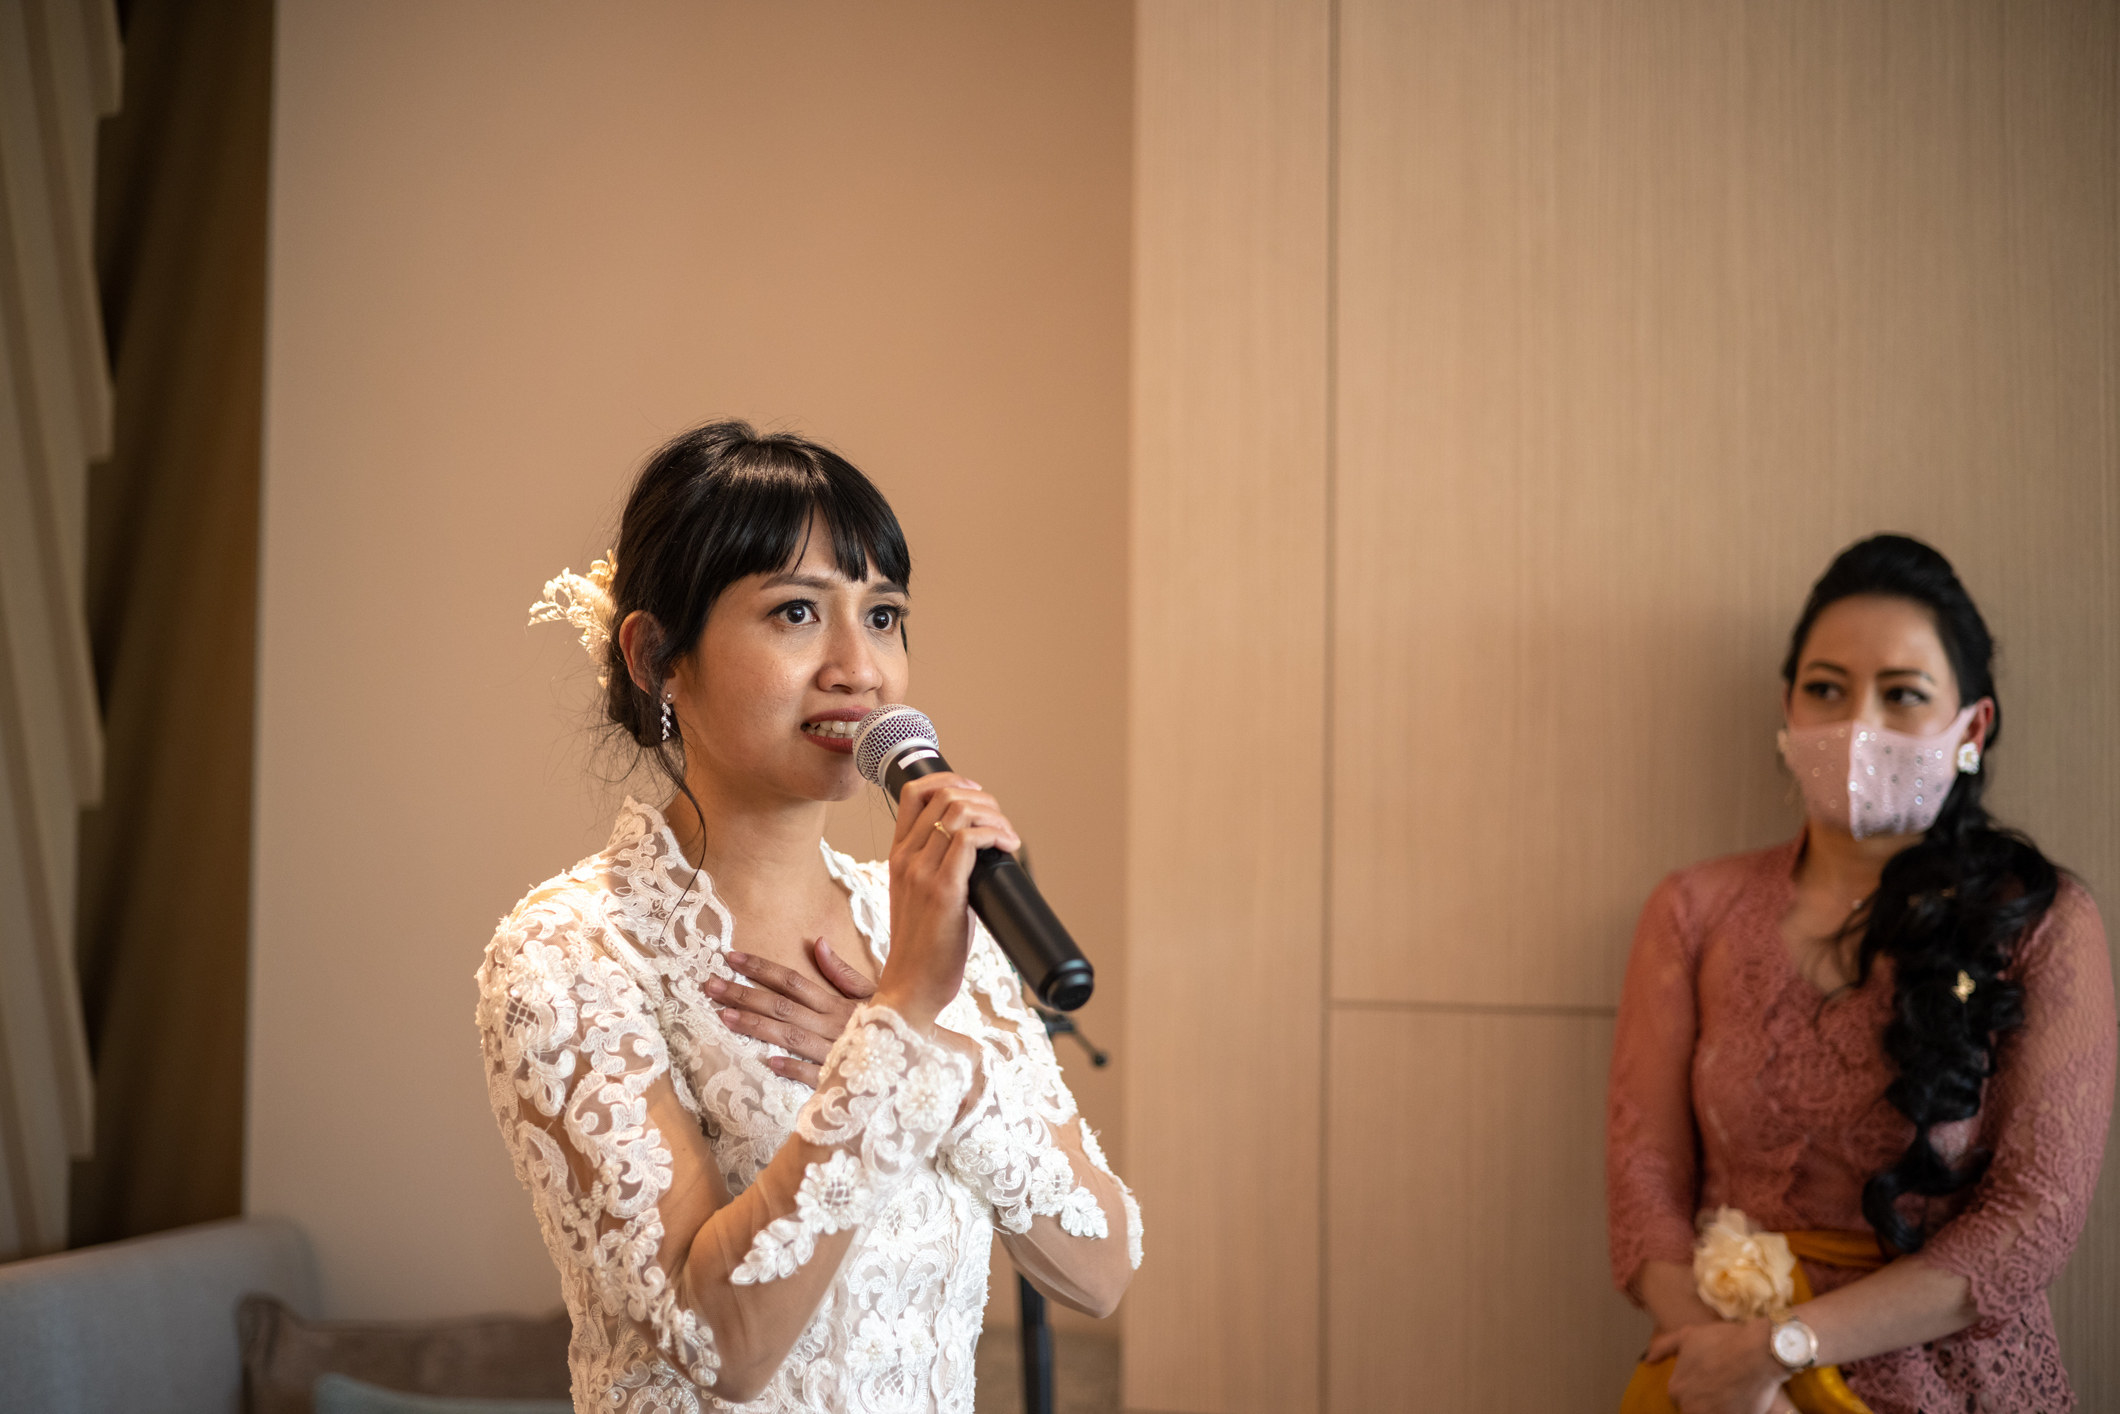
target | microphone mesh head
x=883, y=732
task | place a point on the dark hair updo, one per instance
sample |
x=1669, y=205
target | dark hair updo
x=1955, y=901
x=713, y=505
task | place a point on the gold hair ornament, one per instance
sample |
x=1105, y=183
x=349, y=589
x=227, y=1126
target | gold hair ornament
x=585, y=602
x=1964, y=988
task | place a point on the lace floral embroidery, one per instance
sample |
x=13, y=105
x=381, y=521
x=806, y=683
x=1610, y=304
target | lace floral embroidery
x=1006, y=1155
x=569, y=1049
x=1091, y=1147
x=1734, y=1082
x=887, y=1092
x=592, y=994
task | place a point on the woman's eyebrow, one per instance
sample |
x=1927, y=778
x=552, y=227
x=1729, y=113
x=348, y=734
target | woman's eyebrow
x=798, y=580
x=1905, y=673
x=1821, y=665
x=822, y=583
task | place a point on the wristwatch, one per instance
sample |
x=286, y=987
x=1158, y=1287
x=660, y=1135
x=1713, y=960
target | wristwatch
x=1794, y=1345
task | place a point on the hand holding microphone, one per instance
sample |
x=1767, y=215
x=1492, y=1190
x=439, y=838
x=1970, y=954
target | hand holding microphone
x=944, y=820
x=895, y=747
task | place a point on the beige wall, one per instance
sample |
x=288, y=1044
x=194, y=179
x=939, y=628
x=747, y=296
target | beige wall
x=1636, y=314
x=516, y=246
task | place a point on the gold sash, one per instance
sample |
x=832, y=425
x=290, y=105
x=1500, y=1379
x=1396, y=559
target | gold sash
x=1816, y=1391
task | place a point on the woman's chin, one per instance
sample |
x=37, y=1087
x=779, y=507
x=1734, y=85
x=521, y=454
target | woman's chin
x=832, y=780
x=845, y=789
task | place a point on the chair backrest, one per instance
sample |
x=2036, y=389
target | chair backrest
x=147, y=1326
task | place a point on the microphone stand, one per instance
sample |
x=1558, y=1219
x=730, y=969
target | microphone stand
x=1036, y=1335
x=1032, y=1328
x=1037, y=1339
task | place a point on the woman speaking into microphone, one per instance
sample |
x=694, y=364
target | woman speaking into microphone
x=734, y=1221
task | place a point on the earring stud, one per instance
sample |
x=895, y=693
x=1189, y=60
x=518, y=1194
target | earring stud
x=1969, y=759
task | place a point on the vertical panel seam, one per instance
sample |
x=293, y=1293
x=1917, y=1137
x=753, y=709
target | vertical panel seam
x=1328, y=763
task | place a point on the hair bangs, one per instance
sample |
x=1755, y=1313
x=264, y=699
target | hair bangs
x=781, y=488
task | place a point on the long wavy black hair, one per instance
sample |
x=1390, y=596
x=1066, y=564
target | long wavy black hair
x=1958, y=900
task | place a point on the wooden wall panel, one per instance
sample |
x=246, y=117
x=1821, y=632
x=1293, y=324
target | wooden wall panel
x=1465, y=1235
x=1225, y=875
x=1645, y=311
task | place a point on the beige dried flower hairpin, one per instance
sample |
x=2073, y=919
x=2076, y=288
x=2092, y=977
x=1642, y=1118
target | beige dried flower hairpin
x=584, y=601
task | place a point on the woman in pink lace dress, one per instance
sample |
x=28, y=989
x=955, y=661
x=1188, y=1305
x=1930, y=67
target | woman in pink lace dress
x=1899, y=1023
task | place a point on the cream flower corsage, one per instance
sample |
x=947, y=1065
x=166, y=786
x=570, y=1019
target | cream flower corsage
x=585, y=602
x=1742, y=1271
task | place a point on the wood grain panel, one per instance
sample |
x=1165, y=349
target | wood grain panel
x=1225, y=877
x=1466, y=1226
x=1646, y=310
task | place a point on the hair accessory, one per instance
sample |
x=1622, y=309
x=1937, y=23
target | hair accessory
x=1964, y=988
x=1969, y=760
x=585, y=602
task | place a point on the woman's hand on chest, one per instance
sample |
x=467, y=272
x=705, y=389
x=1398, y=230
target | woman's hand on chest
x=789, y=1010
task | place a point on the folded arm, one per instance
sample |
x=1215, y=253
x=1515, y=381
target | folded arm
x=2043, y=1121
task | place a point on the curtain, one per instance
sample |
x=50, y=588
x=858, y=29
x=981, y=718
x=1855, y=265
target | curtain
x=172, y=599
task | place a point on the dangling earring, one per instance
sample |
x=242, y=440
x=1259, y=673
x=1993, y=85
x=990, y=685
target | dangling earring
x=666, y=715
x=1969, y=760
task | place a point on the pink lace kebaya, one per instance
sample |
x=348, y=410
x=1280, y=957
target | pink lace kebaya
x=1736, y=1082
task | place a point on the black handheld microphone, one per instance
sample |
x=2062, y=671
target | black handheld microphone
x=894, y=745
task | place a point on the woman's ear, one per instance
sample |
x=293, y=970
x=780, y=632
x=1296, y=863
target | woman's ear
x=1983, y=721
x=638, y=638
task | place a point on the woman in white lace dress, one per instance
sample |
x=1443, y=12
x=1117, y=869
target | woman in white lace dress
x=724, y=1232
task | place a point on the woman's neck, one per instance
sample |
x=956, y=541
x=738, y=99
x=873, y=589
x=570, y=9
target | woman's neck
x=748, y=843
x=1835, y=862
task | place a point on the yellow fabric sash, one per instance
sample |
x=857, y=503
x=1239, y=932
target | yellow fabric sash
x=1816, y=1391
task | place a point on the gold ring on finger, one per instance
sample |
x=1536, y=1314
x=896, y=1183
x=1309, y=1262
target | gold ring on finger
x=943, y=830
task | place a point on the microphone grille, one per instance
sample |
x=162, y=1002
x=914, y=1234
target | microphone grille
x=880, y=735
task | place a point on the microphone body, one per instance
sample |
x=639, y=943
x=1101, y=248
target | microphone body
x=1002, y=892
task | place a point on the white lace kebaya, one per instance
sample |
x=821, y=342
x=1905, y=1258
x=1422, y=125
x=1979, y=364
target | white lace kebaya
x=592, y=994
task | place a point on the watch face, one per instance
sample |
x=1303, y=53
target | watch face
x=1791, y=1345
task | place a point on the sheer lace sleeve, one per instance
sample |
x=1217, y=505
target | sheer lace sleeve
x=572, y=1052
x=2044, y=1118
x=1023, y=1148
x=1652, y=1150
x=883, y=1102
x=612, y=1146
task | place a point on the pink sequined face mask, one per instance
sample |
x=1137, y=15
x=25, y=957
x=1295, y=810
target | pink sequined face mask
x=1871, y=780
